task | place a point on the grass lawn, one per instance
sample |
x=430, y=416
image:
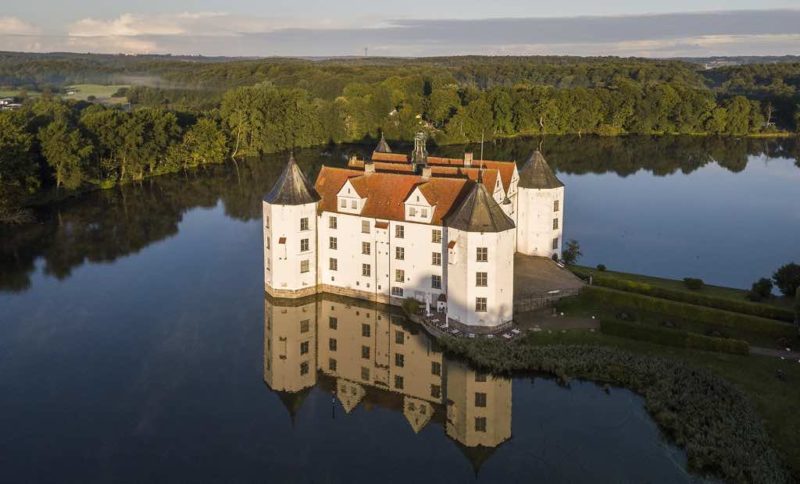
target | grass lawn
x=83, y=91
x=678, y=285
x=16, y=92
x=776, y=400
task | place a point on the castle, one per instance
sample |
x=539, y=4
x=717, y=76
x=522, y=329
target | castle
x=441, y=230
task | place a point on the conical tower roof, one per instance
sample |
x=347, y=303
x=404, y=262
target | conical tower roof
x=292, y=187
x=536, y=173
x=479, y=212
x=383, y=146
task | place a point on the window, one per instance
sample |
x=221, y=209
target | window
x=303, y=245
x=399, y=337
x=480, y=377
x=436, y=391
x=266, y=222
x=304, y=223
x=353, y=204
x=436, y=368
x=480, y=399
x=365, y=226
x=398, y=382
x=333, y=323
x=555, y=243
x=304, y=347
x=365, y=352
x=365, y=373
x=556, y=205
x=267, y=242
x=333, y=243
x=332, y=223
x=424, y=213
x=399, y=231
x=436, y=236
x=331, y=364
x=480, y=424
x=366, y=270
x=399, y=253
x=436, y=258
x=481, y=279
x=342, y=203
x=436, y=282
x=555, y=223
x=304, y=368
x=412, y=212
x=332, y=344
x=303, y=266
x=399, y=275
x=365, y=330
x=399, y=360
x=366, y=248
x=482, y=254
x=480, y=304
x=304, y=325
x=397, y=291
x=333, y=264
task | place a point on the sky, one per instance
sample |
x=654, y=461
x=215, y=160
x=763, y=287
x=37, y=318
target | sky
x=648, y=28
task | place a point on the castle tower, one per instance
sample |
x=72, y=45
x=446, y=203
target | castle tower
x=290, y=235
x=540, y=209
x=480, y=252
x=383, y=146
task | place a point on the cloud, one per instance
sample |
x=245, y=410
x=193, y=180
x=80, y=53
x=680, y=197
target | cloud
x=758, y=32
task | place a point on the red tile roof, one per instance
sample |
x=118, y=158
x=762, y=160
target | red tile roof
x=489, y=174
x=386, y=192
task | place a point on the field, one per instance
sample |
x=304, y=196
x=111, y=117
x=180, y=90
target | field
x=83, y=91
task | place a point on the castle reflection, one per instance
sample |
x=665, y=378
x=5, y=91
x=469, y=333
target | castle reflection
x=369, y=354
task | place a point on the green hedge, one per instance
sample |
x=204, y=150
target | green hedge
x=673, y=337
x=689, y=312
x=698, y=298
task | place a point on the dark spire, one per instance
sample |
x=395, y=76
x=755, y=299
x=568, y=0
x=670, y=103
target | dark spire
x=292, y=187
x=383, y=146
x=536, y=173
x=479, y=212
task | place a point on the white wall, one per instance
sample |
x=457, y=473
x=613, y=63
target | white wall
x=282, y=261
x=535, y=216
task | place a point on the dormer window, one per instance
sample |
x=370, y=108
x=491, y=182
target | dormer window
x=343, y=203
x=353, y=204
x=412, y=212
x=424, y=213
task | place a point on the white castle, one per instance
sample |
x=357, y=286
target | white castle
x=441, y=230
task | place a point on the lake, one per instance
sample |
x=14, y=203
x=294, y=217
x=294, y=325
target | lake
x=136, y=343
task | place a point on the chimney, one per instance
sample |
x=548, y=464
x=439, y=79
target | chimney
x=369, y=167
x=426, y=172
x=468, y=159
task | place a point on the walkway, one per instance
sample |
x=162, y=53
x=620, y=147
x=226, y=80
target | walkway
x=538, y=281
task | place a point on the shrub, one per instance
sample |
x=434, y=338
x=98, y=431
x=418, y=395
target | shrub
x=554, y=257
x=787, y=279
x=601, y=267
x=698, y=298
x=693, y=283
x=673, y=337
x=572, y=252
x=688, y=312
x=760, y=290
x=411, y=305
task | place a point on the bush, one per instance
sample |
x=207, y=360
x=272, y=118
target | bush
x=787, y=279
x=760, y=290
x=688, y=312
x=601, y=267
x=693, y=283
x=698, y=298
x=411, y=305
x=673, y=337
x=572, y=252
x=554, y=257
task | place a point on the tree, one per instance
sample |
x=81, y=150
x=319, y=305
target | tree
x=16, y=165
x=572, y=252
x=787, y=279
x=66, y=151
x=760, y=290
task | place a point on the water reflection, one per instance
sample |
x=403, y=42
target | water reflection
x=105, y=225
x=368, y=354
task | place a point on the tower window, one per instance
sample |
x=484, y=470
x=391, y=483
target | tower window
x=436, y=391
x=365, y=226
x=399, y=253
x=436, y=368
x=365, y=352
x=555, y=223
x=436, y=258
x=555, y=243
x=304, y=223
x=333, y=243
x=398, y=382
x=399, y=231
x=399, y=337
x=436, y=282
x=365, y=248
x=332, y=222
x=397, y=291
x=436, y=236
x=333, y=264
x=399, y=360
x=480, y=424
x=365, y=373
x=399, y=275
x=481, y=279
x=333, y=323
x=304, y=347
x=331, y=364
x=304, y=325
x=480, y=304
x=304, y=245
x=556, y=205
x=304, y=368
x=482, y=254
x=304, y=266
x=480, y=399
x=366, y=270
x=332, y=344
x=366, y=330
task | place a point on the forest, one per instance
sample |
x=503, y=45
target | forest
x=183, y=112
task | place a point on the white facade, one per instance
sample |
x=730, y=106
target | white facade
x=290, y=248
x=540, y=221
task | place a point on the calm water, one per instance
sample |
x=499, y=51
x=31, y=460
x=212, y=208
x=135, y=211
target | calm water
x=135, y=339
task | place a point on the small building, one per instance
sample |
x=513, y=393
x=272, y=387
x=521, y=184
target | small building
x=441, y=230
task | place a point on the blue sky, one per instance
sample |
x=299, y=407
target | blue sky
x=407, y=28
